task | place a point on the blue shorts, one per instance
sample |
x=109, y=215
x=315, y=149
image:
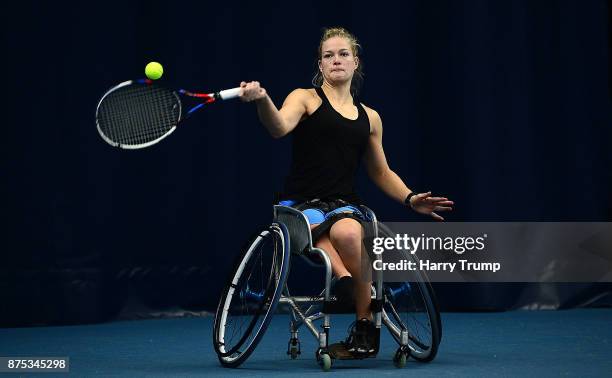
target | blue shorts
x=316, y=216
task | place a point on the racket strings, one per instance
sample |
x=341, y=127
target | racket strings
x=129, y=122
x=138, y=114
x=138, y=120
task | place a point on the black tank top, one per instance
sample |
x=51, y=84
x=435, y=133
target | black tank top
x=327, y=150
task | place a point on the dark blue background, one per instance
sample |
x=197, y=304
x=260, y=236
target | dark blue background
x=504, y=107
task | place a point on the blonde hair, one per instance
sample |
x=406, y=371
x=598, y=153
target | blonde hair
x=328, y=33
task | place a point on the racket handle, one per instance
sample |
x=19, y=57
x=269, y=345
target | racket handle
x=229, y=93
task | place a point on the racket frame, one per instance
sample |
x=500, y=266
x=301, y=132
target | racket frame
x=141, y=145
x=207, y=98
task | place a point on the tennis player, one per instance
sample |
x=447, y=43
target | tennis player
x=332, y=133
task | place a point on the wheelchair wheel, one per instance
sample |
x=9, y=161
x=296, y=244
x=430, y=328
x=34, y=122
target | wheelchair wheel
x=251, y=295
x=412, y=307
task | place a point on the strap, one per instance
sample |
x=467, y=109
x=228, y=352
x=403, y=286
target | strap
x=334, y=307
x=376, y=305
x=322, y=95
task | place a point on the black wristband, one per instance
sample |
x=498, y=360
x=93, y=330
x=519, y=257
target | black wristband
x=407, y=200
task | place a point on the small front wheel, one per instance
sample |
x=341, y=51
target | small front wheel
x=400, y=357
x=324, y=360
x=294, y=353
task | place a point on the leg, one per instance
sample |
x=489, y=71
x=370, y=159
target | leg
x=346, y=237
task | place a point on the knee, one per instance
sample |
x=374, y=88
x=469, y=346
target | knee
x=346, y=234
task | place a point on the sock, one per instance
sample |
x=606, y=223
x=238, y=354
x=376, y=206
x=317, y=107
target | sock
x=344, y=290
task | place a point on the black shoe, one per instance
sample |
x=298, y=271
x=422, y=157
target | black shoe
x=363, y=338
x=344, y=292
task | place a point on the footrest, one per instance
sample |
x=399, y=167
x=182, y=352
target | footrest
x=338, y=351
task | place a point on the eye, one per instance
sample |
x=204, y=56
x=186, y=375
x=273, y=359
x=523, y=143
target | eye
x=344, y=53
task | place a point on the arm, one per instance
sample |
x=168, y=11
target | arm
x=389, y=182
x=278, y=122
x=376, y=163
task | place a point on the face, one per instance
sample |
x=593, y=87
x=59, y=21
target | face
x=338, y=63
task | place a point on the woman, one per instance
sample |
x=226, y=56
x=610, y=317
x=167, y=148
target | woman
x=333, y=132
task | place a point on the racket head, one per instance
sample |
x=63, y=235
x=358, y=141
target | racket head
x=137, y=114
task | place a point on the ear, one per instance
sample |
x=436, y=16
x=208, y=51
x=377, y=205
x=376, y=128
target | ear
x=356, y=61
x=319, y=63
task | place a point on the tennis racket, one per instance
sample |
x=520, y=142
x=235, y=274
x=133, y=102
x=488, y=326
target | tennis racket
x=138, y=113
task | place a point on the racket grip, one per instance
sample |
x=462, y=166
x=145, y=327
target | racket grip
x=229, y=93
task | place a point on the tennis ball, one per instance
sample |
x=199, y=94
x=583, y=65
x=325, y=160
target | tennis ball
x=154, y=70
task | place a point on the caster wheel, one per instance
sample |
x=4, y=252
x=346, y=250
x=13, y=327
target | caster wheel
x=293, y=352
x=324, y=360
x=293, y=349
x=399, y=359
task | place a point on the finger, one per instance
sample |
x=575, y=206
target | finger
x=442, y=208
x=423, y=195
x=243, y=84
x=440, y=203
x=437, y=198
x=436, y=216
x=241, y=95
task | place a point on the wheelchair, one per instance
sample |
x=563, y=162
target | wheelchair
x=258, y=284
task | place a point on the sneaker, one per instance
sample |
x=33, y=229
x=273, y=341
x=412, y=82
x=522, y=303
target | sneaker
x=344, y=292
x=363, y=338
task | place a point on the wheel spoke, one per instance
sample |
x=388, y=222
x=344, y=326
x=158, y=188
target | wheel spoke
x=251, y=297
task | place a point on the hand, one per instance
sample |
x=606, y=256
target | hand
x=424, y=203
x=251, y=91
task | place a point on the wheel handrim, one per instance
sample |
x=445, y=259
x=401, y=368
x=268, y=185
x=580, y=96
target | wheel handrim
x=251, y=298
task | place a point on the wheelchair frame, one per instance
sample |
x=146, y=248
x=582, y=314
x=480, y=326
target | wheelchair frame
x=296, y=226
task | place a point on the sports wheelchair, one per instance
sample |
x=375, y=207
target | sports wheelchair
x=257, y=284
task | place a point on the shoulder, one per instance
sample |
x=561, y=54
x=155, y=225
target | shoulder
x=372, y=114
x=307, y=98
x=302, y=93
x=373, y=117
x=303, y=96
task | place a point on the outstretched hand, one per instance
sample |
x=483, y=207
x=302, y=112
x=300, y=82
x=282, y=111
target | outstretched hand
x=251, y=91
x=424, y=203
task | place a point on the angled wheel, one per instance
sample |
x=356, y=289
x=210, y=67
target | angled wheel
x=251, y=295
x=412, y=307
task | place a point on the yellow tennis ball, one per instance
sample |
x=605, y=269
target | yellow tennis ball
x=154, y=70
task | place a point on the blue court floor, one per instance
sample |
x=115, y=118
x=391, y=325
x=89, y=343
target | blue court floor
x=576, y=343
